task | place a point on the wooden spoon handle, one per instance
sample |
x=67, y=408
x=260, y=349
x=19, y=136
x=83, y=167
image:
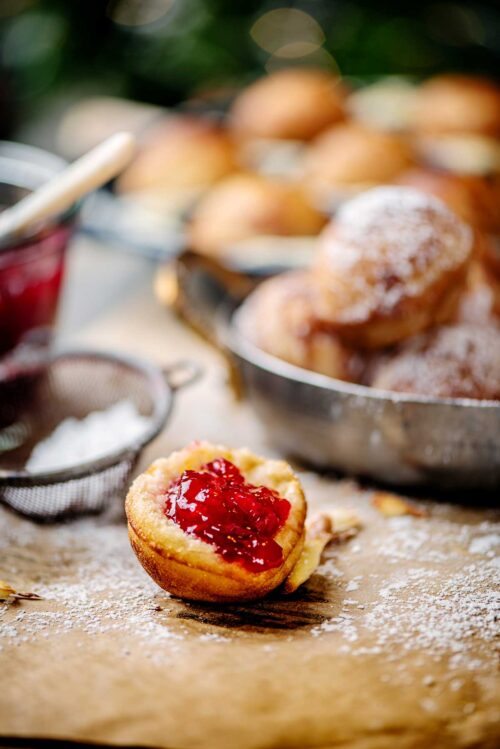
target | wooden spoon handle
x=93, y=170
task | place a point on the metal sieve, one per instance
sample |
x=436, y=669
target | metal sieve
x=75, y=384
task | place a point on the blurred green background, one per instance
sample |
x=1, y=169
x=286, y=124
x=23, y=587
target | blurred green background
x=163, y=51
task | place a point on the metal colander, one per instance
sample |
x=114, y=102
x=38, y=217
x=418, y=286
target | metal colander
x=75, y=384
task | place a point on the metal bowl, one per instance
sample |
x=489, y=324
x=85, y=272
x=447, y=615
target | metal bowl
x=395, y=438
x=392, y=437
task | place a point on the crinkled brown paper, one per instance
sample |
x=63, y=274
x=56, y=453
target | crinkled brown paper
x=390, y=644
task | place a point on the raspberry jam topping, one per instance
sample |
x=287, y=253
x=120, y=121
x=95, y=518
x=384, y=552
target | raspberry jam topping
x=240, y=520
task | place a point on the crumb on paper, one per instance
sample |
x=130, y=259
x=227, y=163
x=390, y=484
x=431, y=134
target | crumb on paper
x=332, y=525
x=8, y=594
x=391, y=505
x=307, y=563
x=343, y=519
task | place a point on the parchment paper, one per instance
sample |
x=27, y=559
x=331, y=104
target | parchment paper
x=393, y=643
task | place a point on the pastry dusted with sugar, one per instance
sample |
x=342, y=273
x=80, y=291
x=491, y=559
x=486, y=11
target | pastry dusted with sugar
x=454, y=361
x=210, y=523
x=392, y=263
x=489, y=253
x=473, y=198
x=281, y=318
x=478, y=304
x=456, y=124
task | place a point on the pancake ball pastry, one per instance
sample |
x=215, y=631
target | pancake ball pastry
x=214, y=524
x=293, y=103
x=458, y=104
x=280, y=318
x=246, y=206
x=392, y=263
x=349, y=158
x=457, y=123
x=461, y=153
x=489, y=256
x=481, y=301
x=181, y=153
x=454, y=361
x=473, y=198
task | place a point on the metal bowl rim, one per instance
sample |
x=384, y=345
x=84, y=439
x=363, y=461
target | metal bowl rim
x=248, y=351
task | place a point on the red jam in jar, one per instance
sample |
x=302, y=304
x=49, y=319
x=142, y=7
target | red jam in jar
x=30, y=283
x=240, y=520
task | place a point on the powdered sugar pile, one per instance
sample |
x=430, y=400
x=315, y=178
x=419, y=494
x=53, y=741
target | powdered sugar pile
x=100, y=433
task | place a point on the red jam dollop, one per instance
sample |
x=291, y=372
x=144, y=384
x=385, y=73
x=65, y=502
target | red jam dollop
x=240, y=520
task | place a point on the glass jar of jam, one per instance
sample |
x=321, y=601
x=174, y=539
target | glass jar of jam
x=31, y=269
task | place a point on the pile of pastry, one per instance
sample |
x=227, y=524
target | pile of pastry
x=404, y=289
x=297, y=143
x=387, y=300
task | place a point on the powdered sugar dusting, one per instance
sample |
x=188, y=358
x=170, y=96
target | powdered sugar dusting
x=390, y=243
x=405, y=585
x=92, y=584
x=428, y=591
x=372, y=208
x=460, y=361
x=442, y=615
x=489, y=544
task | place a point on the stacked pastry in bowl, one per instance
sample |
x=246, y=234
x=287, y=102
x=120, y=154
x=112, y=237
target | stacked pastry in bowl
x=381, y=303
x=294, y=145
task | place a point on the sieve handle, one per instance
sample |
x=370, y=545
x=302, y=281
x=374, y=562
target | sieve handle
x=182, y=373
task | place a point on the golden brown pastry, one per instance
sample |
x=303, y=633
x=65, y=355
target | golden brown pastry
x=489, y=254
x=454, y=361
x=350, y=157
x=475, y=199
x=458, y=104
x=293, y=103
x=249, y=205
x=214, y=524
x=184, y=152
x=280, y=317
x=392, y=263
x=480, y=302
x=457, y=124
